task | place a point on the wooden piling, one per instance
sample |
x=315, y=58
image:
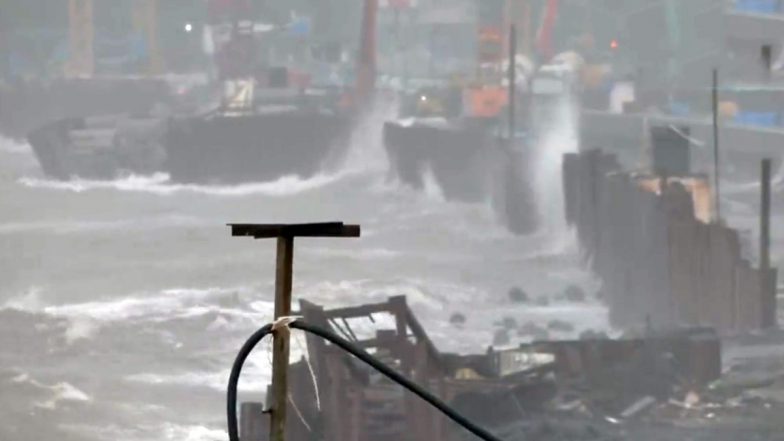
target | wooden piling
x=285, y=234
x=764, y=246
x=767, y=275
x=252, y=422
x=280, y=345
x=657, y=259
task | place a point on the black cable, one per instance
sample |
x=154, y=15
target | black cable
x=236, y=369
x=231, y=396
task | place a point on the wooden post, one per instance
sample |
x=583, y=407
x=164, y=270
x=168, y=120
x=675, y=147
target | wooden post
x=280, y=344
x=716, y=190
x=285, y=234
x=767, y=277
x=764, y=245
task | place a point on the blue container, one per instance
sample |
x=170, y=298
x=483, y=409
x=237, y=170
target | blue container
x=758, y=119
x=758, y=6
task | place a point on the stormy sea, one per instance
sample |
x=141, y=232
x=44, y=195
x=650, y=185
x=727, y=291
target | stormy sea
x=123, y=302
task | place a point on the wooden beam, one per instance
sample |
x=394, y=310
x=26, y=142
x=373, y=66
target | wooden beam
x=285, y=234
x=280, y=344
x=359, y=311
x=764, y=246
x=269, y=231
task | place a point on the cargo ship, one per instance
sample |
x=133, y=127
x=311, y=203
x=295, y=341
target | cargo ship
x=269, y=121
x=475, y=139
x=299, y=136
x=89, y=58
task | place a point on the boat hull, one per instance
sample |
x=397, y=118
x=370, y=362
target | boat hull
x=469, y=164
x=253, y=148
x=99, y=147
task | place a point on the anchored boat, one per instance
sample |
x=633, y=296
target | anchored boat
x=270, y=122
x=271, y=141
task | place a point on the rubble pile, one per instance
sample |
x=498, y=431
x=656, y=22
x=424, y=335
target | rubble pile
x=676, y=385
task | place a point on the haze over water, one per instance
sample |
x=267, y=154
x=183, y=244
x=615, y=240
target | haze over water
x=124, y=302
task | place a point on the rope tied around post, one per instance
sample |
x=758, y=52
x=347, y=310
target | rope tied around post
x=282, y=324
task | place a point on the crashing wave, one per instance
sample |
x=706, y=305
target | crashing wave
x=160, y=184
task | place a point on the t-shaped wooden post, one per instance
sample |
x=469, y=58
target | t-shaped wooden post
x=285, y=233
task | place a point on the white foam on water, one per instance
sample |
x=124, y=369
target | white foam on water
x=88, y=226
x=256, y=373
x=253, y=379
x=176, y=303
x=176, y=432
x=431, y=187
x=11, y=146
x=134, y=431
x=362, y=254
x=161, y=184
x=80, y=328
x=64, y=392
x=29, y=301
x=58, y=393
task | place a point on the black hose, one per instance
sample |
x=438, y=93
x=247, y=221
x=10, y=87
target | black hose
x=234, y=378
x=231, y=404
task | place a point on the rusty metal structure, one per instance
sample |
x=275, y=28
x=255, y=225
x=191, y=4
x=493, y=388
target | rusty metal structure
x=658, y=257
x=334, y=396
x=356, y=404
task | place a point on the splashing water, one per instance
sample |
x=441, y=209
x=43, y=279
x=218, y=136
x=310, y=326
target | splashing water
x=366, y=150
x=8, y=145
x=559, y=137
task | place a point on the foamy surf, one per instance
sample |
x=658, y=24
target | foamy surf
x=59, y=392
x=193, y=433
x=176, y=303
x=161, y=184
x=85, y=226
x=146, y=432
x=11, y=146
x=256, y=377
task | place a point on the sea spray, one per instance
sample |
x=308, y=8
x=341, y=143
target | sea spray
x=555, y=138
x=8, y=145
x=365, y=152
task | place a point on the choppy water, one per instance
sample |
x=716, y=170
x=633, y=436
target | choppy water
x=122, y=303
